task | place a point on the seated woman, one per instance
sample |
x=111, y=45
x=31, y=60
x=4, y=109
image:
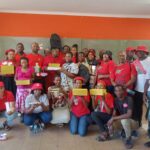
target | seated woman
x=7, y=114
x=37, y=107
x=58, y=98
x=79, y=110
x=103, y=106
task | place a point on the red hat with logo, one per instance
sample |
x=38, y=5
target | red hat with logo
x=9, y=50
x=37, y=86
x=130, y=49
x=1, y=84
x=142, y=48
x=79, y=78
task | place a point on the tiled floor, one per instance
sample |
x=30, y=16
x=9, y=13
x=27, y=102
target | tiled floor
x=55, y=138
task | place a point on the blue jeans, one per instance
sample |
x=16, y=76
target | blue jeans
x=9, y=118
x=45, y=117
x=148, y=96
x=79, y=125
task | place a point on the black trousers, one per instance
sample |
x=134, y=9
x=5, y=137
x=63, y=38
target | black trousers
x=138, y=107
x=100, y=119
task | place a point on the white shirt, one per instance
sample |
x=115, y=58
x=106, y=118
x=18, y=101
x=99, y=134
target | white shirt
x=141, y=77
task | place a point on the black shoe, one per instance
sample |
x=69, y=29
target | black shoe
x=128, y=143
x=147, y=144
x=134, y=133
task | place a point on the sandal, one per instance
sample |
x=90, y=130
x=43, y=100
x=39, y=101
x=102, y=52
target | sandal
x=103, y=137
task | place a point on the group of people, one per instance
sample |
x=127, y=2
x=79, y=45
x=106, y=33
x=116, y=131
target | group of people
x=41, y=89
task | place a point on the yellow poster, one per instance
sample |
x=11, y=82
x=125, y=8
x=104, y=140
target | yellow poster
x=98, y=92
x=80, y=92
x=22, y=82
x=5, y=69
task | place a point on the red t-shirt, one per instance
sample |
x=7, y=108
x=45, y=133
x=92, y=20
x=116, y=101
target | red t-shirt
x=8, y=97
x=35, y=58
x=78, y=108
x=74, y=59
x=123, y=73
x=105, y=68
x=51, y=74
x=17, y=58
x=109, y=101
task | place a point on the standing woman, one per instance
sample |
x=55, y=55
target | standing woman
x=23, y=72
x=92, y=66
x=105, y=69
x=74, y=51
x=79, y=110
x=8, y=79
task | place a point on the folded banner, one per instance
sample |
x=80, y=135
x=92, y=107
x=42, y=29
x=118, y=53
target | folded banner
x=7, y=69
x=80, y=92
x=95, y=92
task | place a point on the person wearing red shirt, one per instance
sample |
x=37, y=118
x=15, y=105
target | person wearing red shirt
x=35, y=57
x=125, y=72
x=9, y=115
x=79, y=110
x=103, y=106
x=56, y=57
x=105, y=69
x=8, y=79
x=20, y=53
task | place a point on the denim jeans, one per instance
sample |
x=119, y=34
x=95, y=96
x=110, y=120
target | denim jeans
x=9, y=118
x=79, y=125
x=45, y=117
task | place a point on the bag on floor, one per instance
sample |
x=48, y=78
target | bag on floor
x=60, y=115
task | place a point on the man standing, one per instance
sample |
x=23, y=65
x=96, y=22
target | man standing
x=142, y=65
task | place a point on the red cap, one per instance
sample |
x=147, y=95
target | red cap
x=79, y=78
x=1, y=84
x=37, y=86
x=9, y=50
x=101, y=82
x=142, y=48
x=130, y=49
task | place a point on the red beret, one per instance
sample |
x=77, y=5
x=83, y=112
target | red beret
x=142, y=48
x=79, y=78
x=101, y=82
x=130, y=49
x=37, y=86
x=9, y=50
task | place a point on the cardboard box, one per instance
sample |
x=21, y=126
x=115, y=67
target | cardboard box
x=7, y=69
x=96, y=92
x=80, y=92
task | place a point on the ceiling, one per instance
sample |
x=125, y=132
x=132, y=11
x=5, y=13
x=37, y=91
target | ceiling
x=109, y=8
